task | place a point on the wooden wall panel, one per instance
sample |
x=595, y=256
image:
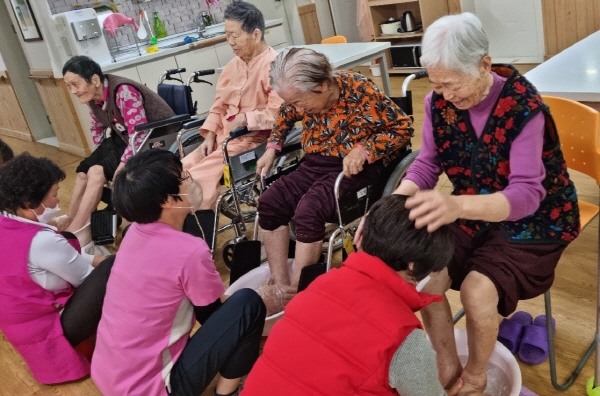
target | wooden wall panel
x=567, y=22
x=12, y=119
x=310, y=23
x=62, y=115
x=454, y=7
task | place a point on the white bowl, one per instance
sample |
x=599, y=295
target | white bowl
x=501, y=358
x=252, y=280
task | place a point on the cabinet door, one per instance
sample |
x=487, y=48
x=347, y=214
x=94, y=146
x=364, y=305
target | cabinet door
x=151, y=72
x=224, y=53
x=130, y=73
x=275, y=36
x=201, y=59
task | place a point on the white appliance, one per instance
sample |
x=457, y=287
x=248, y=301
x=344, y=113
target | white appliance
x=80, y=33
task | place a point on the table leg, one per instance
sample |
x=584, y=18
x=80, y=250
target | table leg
x=385, y=75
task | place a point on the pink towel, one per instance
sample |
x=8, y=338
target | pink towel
x=113, y=21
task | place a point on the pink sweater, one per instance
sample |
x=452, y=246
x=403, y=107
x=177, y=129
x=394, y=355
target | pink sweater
x=524, y=191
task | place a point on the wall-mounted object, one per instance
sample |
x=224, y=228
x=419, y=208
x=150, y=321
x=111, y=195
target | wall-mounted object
x=26, y=20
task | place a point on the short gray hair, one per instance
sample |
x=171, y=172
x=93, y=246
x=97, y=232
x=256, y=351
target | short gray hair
x=455, y=42
x=300, y=68
x=247, y=15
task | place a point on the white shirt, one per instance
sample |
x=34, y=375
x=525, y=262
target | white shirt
x=53, y=263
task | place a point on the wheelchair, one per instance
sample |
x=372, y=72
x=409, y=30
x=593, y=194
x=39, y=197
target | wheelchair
x=350, y=208
x=239, y=201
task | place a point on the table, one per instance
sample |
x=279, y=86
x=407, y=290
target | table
x=573, y=73
x=346, y=56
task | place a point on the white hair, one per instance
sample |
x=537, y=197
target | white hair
x=455, y=42
x=300, y=68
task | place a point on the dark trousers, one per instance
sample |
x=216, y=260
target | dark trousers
x=307, y=196
x=82, y=312
x=226, y=343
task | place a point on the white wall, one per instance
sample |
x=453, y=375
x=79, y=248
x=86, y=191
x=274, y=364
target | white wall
x=514, y=28
x=2, y=65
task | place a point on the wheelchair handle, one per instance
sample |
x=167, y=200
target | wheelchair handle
x=168, y=73
x=415, y=76
x=336, y=192
x=206, y=72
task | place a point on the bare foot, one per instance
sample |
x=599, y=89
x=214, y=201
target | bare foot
x=62, y=222
x=473, y=384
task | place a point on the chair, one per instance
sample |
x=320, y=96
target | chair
x=334, y=40
x=578, y=127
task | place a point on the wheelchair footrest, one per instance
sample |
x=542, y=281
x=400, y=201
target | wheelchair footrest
x=104, y=226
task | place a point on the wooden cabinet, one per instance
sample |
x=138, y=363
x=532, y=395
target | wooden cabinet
x=12, y=122
x=201, y=59
x=424, y=11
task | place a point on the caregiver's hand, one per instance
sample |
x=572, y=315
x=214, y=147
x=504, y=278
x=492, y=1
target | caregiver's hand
x=432, y=209
x=353, y=162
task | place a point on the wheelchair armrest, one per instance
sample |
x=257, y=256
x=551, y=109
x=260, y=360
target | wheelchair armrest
x=241, y=131
x=162, y=123
x=195, y=123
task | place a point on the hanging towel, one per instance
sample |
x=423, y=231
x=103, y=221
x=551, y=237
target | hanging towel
x=113, y=21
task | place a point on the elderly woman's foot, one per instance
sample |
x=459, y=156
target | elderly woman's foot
x=473, y=384
x=275, y=297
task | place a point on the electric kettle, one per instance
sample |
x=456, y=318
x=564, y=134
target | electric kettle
x=408, y=22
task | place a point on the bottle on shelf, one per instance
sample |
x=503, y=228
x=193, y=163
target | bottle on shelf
x=159, y=26
x=207, y=18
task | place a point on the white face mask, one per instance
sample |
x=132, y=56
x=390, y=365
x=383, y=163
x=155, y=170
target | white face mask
x=194, y=196
x=49, y=214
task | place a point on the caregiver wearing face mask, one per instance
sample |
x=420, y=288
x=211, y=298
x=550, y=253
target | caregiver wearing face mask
x=50, y=295
x=162, y=281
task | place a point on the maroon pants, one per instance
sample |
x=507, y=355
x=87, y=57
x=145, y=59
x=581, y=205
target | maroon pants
x=519, y=271
x=307, y=196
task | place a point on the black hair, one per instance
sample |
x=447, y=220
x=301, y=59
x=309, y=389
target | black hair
x=84, y=67
x=6, y=152
x=391, y=236
x=247, y=15
x=25, y=180
x=145, y=183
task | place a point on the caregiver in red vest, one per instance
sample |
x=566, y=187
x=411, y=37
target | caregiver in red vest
x=50, y=294
x=353, y=331
x=117, y=103
x=513, y=209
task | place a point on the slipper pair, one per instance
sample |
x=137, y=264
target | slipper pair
x=521, y=333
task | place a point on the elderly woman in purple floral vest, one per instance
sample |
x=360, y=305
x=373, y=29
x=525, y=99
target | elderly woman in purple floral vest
x=513, y=207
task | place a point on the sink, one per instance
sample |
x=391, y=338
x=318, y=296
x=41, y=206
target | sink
x=173, y=45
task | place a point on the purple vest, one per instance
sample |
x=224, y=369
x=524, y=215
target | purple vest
x=28, y=315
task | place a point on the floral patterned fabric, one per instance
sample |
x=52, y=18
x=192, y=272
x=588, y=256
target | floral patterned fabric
x=482, y=166
x=362, y=116
x=130, y=104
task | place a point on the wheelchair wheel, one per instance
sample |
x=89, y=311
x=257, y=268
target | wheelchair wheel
x=329, y=228
x=190, y=140
x=398, y=173
x=248, y=200
x=228, y=253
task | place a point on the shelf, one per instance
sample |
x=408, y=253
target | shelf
x=389, y=2
x=398, y=36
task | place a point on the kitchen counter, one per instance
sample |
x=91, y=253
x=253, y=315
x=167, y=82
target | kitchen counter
x=131, y=59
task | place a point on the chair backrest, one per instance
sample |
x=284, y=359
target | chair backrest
x=578, y=128
x=334, y=40
x=178, y=97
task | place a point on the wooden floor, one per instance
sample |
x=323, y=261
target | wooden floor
x=573, y=292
